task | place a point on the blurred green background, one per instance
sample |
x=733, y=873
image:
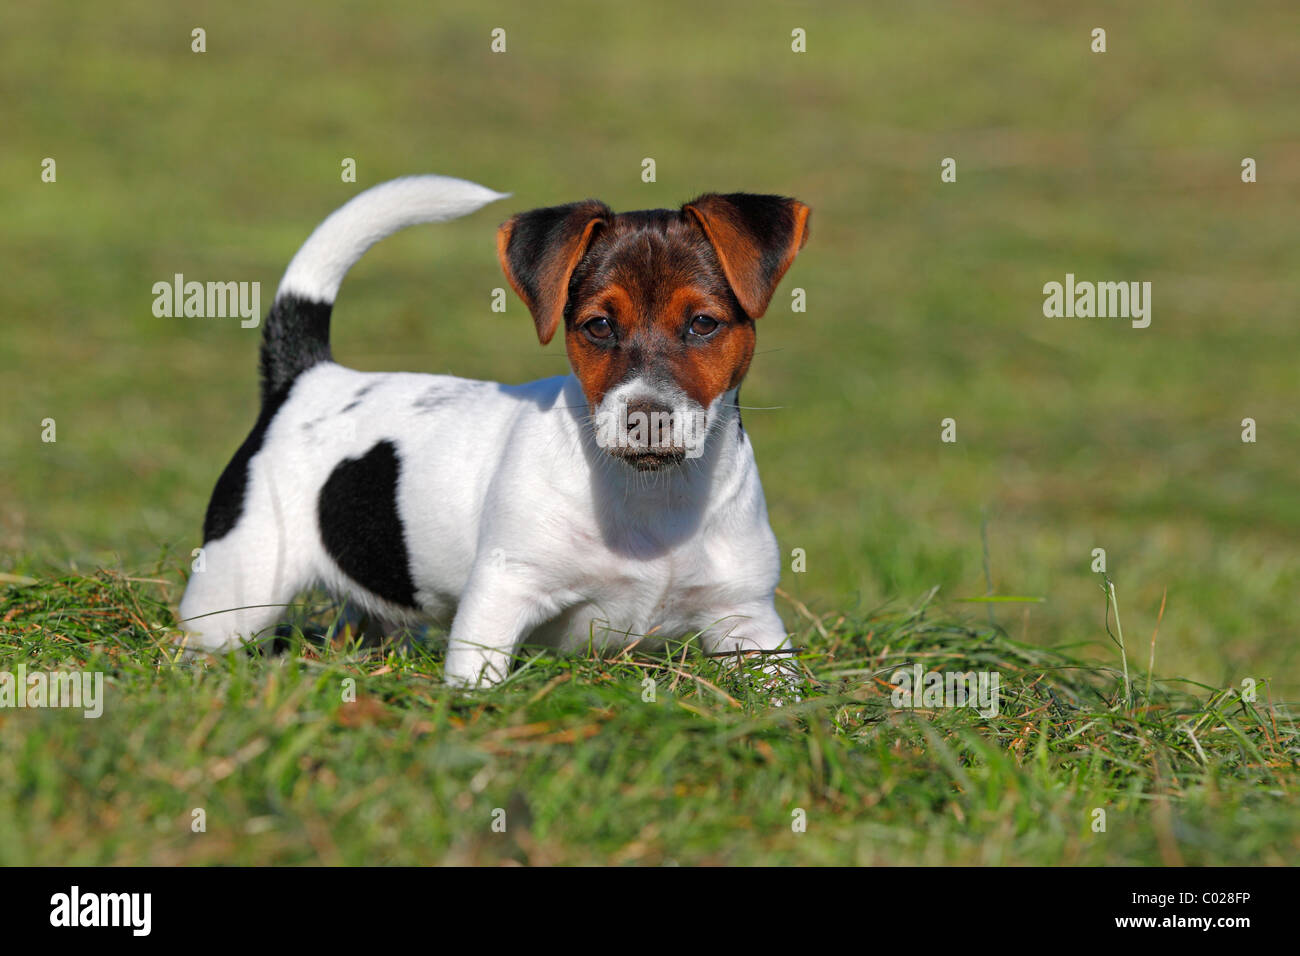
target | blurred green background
x=924, y=298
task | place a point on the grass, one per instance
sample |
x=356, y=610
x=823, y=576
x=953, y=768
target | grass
x=924, y=302
x=287, y=770
x=924, y=298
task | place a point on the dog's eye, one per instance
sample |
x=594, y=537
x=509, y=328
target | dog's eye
x=599, y=328
x=704, y=325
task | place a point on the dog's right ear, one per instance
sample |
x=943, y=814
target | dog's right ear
x=539, y=250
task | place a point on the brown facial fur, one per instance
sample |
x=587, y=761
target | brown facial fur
x=650, y=274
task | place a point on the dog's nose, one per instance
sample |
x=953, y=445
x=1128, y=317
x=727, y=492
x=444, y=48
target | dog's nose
x=650, y=425
x=648, y=408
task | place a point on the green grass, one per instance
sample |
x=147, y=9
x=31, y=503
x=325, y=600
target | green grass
x=587, y=771
x=924, y=302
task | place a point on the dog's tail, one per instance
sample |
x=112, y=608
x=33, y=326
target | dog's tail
x=297, y=329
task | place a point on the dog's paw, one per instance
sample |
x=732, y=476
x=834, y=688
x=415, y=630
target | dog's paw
x=778, y=678
x=786, y=687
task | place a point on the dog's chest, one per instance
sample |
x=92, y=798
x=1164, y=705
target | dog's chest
x=628, y=593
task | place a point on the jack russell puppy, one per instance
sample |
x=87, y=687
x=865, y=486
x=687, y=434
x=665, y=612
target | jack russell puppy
x=616, y=505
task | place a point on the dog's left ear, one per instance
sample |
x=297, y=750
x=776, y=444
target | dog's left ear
x=756, y=238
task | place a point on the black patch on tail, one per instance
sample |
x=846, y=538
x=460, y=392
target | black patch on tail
x=296, y=337
x=360, y=527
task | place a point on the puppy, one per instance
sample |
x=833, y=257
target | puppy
x=619, y=504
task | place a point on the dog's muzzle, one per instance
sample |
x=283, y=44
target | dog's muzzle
x=648, y=434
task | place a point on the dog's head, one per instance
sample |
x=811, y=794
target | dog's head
x=658, y=307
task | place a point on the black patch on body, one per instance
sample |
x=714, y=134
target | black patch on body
x=227, y=502
x=360, y=526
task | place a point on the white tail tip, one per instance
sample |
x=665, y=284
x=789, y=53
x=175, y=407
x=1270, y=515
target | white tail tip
x=317, y=270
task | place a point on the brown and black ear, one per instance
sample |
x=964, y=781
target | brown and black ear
x=539, y=250
x=756, y=238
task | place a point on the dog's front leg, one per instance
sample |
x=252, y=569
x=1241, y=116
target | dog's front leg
x=497, y=611
x=756, y=628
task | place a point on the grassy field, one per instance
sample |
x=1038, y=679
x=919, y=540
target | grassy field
x=577, y=765
x=924, y=303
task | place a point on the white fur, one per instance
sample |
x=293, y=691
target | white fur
x=317, y=271
x=518, y=527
